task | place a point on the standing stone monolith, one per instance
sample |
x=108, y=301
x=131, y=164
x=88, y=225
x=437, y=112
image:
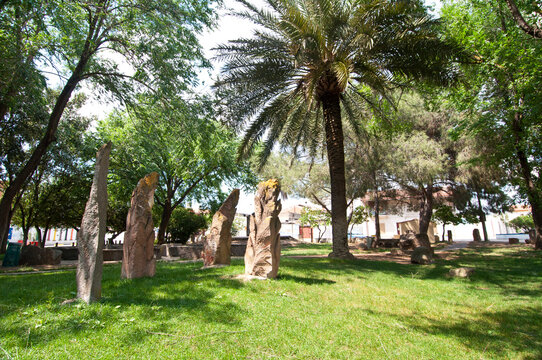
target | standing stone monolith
x=91, y=235
x=450, y=237
x=217, y=246
x=138, y=249
x=476, y=235
x=262, y=256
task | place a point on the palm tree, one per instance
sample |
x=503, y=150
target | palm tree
x=309, y=61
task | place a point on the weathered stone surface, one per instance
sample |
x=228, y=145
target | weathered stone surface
x=91, y=235
x=53, y=256
x=476, y=235
x=462, y=272
x=34, y=255
x=422, y=255
x=450, y=237
x=513, y=241
x=406, y=241
x=262, y=256
x=138, y=258
x=192, y=251
x=31, y=255
x=216, y=248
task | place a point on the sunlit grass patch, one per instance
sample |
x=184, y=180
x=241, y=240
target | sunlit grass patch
x=318, y=308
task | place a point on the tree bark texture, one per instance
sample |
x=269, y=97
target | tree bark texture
x=426, y=208
x=532, y=194
x=164, y=221
x=482, y=216
x=335, y=154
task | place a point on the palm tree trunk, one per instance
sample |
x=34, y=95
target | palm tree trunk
x=335, y=155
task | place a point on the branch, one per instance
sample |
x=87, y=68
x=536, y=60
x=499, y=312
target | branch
x=533, y=31
x=320, y=202
x=101, y=73
x=191, y=187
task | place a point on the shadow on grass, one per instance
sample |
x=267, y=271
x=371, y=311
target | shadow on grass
x=488, y=332
x=144, y=305
x=304, y=280
x=514, y=273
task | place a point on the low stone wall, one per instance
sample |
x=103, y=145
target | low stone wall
x=190, y=252
x=69, y=252
x=112, y=254
x=238, y=249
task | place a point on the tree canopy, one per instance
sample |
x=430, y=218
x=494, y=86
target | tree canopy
x=294, y=78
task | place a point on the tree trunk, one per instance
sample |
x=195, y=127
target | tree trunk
x=4, y=232
x=46, y=232
x=531, y=30
x=377, y=221
x=164, y=221
x=38, y=233
x=443, y=230
x=26, y=230
x=532, y=194
x=482, y=216
x=335, y=154
x=17, y=184
x=426, y=209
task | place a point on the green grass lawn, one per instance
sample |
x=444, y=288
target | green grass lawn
x=316, y=309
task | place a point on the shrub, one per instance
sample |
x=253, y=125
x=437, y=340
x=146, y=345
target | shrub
x=183, y=224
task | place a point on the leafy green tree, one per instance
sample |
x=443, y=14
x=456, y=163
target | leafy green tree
x=422, y=161
x=359, y=215
x=316, y=218
x=62, y=180
x=193, y=154
x=121, y=47
x=501, y=99
x=295, y=78
x=480, y=189
x=445, y=215
x=522, y=223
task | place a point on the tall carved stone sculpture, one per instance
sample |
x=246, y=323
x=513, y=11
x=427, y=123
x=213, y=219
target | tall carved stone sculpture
x=217, y=246
x=138, y=250
x=263, y=248
x=91, y=235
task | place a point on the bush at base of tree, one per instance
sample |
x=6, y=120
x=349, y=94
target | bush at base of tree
x=183, y=224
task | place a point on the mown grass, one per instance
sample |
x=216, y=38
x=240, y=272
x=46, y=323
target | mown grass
x=318, y=308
